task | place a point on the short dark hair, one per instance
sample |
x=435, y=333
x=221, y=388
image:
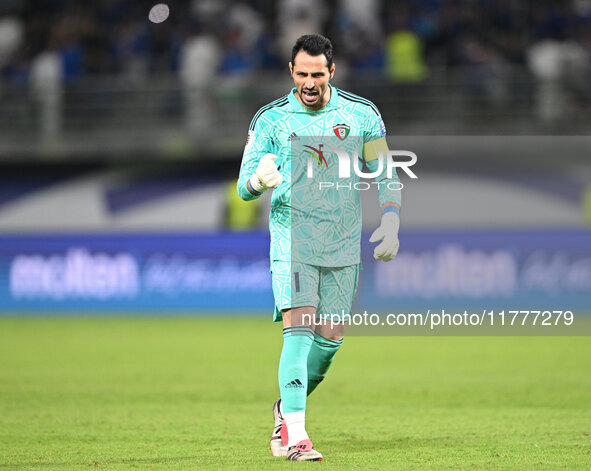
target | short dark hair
x=313, y=44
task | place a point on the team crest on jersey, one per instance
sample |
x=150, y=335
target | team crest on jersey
x=342, y=130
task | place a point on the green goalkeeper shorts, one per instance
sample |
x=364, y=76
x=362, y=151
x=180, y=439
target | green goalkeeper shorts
x=330, y=290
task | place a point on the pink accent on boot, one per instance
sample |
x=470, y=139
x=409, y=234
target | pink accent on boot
x=304, y=445
x=284, y=434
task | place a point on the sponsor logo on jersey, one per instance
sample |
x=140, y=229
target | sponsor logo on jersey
x=341, y=130
x=318, y=154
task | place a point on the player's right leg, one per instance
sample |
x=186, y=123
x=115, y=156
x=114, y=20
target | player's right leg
x=299, y=446
x=295, y=287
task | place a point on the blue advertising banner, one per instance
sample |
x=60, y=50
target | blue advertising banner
x=135, y=272
x=75, y=273
x=481, y=269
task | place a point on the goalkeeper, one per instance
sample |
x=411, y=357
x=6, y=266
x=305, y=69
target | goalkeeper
x=315, y=222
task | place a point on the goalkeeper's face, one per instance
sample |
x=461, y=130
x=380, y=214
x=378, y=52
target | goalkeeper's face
x=311, y=76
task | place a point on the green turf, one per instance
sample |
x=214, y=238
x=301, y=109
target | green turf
x=180, y=394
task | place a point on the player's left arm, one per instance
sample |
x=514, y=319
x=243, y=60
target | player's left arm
x=389, y=189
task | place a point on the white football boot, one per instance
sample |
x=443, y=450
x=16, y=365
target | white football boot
x=279, y=437
x=303, y=451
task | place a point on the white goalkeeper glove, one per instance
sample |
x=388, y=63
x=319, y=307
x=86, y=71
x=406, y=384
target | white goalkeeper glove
x=388, y=234
x=267, y=175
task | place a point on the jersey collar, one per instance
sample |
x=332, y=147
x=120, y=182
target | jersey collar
x=298, y=107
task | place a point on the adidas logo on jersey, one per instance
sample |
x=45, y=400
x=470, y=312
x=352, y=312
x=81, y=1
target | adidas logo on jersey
x=296, y=383
x=292, y=137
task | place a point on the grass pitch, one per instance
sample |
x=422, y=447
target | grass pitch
x=180, y=394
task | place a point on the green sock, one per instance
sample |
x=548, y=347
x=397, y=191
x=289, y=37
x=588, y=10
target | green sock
x=293, y=371
x=320, y=358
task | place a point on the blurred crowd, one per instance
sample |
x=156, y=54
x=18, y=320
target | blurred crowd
x=404, y=40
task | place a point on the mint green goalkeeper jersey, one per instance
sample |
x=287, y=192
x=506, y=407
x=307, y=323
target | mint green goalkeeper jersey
x=316, y=211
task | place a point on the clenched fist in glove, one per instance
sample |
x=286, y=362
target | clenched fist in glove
x=267, y=175
x=388, y=234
